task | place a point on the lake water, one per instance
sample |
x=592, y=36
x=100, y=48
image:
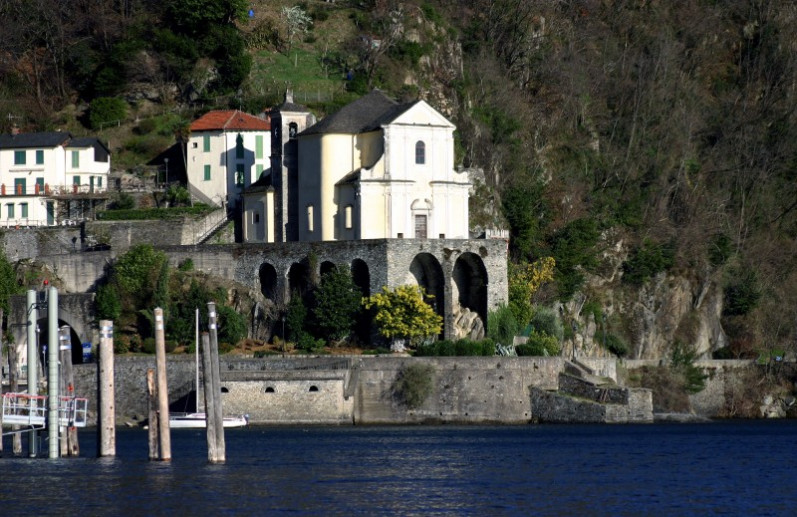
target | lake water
x=730, y=468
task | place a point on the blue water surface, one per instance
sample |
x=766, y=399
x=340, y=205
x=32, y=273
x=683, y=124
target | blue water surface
x=724, y=468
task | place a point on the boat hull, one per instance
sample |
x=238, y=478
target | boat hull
x=198, y=421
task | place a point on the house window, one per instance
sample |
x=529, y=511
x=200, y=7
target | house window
x=23, y=210
x=207, y=172
x=99, y=181
x=292, y=130
x=40, y=185
x=19, y=186
x=256, y=217
x=39, y=157
x=19, y=157
x=420, y=226
x=309, y=218
x=194, y=145
x=239, y=174
x=239, y=147
x=10, y=210
x=348, y=211
x=75, y=159
x=75, y=180
x=206, y=143
x=259, y=147
x=420, y=152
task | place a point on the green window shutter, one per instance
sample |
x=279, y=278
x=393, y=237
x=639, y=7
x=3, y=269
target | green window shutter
x=19, y=157
x=206, y=143
x=75, y=180
x=10, y=210
x=76, y=160
x=207, y=172
x=39, y=157
x=99, y=182
x=24, y=210
x=40, y=183
x=19, y=186
x=259, y=147
x=259, y=170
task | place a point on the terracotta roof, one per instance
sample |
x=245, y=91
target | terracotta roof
x=229, y=120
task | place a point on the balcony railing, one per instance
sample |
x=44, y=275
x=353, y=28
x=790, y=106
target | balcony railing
x=50, y=190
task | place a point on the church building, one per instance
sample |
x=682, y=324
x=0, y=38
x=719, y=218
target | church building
x=376, y=169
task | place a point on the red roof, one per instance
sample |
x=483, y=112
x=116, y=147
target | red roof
x=231, y=120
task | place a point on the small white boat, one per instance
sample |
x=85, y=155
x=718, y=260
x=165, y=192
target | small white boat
x=198, y=421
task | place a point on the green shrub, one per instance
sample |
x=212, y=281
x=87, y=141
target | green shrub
x=502, y=327
x=413, y=384
x=546, y=321
x=683, y=358
x=148, y=345
x=307, y=343
x=106, y=110
x=539, y=345
x=186, y=265
x=646, y=261
x=616, y=345
x=720, y=249
x=742, y=293
x=123, y=201
x=573, y=248
x=461, y=347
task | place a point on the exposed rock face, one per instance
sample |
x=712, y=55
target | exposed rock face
x=668, y=308
x=467, y=324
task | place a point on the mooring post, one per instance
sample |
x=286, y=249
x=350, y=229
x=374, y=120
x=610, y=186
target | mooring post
x=69, y=445
x=152, y=418
x=163, y=391
x=210, y=400
x=52, y=372
x=106, y=421
x=33, y=363
x=13, y=381
x=218, y=410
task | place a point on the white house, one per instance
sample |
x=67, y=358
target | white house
x=41, y=174
x=375, y=169
x=227, y=151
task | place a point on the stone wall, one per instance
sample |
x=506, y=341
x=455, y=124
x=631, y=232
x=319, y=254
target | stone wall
x=29, y=243
x=331, y=390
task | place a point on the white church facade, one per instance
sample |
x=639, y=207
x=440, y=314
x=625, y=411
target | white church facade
x=375, y=169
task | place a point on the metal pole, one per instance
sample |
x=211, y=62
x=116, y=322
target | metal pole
x=106, y=423
x=33, y=363
x=52, y=372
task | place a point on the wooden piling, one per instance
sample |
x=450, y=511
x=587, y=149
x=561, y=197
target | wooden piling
x=218, y=412
x=210, y=400
x=165, y=441
x=69, y=440
x=106, y=405
x=13, y=385
x=152, y=417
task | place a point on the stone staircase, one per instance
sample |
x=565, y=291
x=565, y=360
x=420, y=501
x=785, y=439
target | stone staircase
x=583, y=397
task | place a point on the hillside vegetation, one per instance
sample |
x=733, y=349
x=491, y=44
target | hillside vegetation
x=660, y=135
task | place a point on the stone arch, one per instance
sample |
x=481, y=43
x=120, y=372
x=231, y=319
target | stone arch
x=327, y=267
x=428, y=273
x=43, y=331
x=299, y=279
x=268, y=281
x=470, y=284
x=361, y=276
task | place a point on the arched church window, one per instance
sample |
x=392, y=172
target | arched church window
x=420, y=152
